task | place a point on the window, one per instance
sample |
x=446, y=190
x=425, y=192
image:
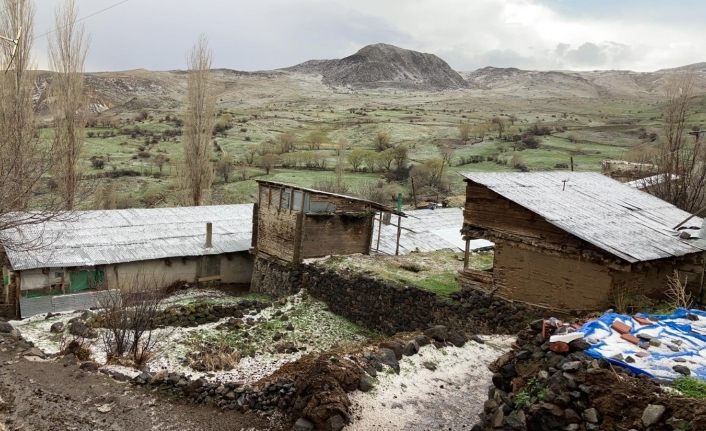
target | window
x=274, y=199
x=286, y=198
x=297, y=200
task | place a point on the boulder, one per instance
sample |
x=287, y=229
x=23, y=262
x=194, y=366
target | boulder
x=57, y=327
x=5, y=328
x=411, y=348
x=457, y=339
x=437, y=333
x=652, y=414
x=89, y=366
x=387, y=357
x=682, y=369
x=302, y=424
x=366, y=383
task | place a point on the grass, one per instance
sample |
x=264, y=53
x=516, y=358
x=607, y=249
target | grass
x=691, y=387
x=314, y=327
x=433, y=271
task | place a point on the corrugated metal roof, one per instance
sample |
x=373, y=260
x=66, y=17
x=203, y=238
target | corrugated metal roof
x=426, y=230
x=612, y=216
x=103, y=237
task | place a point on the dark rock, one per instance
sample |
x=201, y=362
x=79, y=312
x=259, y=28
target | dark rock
x=366, y=383
x=457, y=339
x=5, y=328
x=78, y=327
x=89, y=366
x=429, y=365
x=422, y=340
x=477, y=339
x=302, y=425
x=579, y=345
x=57, y=327
x=335, y=423
x=387, y=357
x=682, y=369
x=571, y=366
x=692, y=317
x=411, y=348
x=395, y=346
x=437, y=333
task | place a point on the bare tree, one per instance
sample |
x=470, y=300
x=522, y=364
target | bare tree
x=225, y=167
x=681, y=178
x=24, y=159
x=464, y=131
x=198, y=123
x=130, y=315
x=67, y=55
x=340, y=183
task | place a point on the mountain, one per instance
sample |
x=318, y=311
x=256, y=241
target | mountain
x=385, y=66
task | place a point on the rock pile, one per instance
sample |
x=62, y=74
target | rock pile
x=536, y=388
x=196, y=314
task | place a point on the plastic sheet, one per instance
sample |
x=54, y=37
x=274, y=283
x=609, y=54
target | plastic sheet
x=682, y=341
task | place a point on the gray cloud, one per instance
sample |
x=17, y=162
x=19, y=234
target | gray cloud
x=266, y=34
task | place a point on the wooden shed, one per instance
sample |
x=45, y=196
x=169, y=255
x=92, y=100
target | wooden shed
x=577, y=240
x=292, y=223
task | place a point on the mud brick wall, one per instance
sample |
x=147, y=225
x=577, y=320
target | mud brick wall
x=391, y=307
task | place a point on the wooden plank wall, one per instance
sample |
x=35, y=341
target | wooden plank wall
x=552, y=281
x=486, y=209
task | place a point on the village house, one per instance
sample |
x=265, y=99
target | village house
x=292, y=223
x=577, y=240
x=78, y=253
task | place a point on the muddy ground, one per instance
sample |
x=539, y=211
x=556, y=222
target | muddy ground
x=36, y=394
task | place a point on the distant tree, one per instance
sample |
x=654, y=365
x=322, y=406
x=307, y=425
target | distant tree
x=67, y=56
x=529, y=140
x=499, y=124
x=447, y=154
x=315, y=139
x=371, y=160
x=198, y=123
x=287, y=142
x=464, y=131
x=225, y=167
x=386, y=158
x=340, y=183
x=160, y=160
x=251, y=151
x=268, y=162
x=401, y=153
x=679, y=158
x=382, y=141
x=356, y=158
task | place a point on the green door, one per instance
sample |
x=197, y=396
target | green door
x=87, y=279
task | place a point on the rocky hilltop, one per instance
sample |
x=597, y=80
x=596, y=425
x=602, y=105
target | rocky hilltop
x=385, y=66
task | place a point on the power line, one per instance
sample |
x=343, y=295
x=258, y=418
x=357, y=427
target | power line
x=84, y=18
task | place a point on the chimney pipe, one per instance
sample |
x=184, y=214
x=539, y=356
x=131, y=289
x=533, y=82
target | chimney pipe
x=209, y=235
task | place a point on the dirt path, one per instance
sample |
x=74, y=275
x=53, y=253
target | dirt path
x=38, y=394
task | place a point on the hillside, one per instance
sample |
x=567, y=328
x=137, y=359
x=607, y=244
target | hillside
x=385, y=66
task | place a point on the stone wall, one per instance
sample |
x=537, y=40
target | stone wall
x=539, y=386
x=274, y=278
x=391, y=307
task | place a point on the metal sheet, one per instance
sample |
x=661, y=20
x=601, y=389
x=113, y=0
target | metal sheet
x=93, y=238
x=619, y=219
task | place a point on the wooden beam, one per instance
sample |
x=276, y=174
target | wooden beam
x=377, y=248
x=466, y=254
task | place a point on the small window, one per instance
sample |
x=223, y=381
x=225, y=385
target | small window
x=275, y=198
x=286, y=198
x=297, y=200
x=264, y=195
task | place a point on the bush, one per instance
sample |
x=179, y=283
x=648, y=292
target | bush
x=691, y=387
x=97, y=162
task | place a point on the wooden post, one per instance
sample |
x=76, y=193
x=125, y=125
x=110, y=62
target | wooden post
x=377, y=247
x=572, y=163
x=466, y=254
x=399, y=232
x=414, y=193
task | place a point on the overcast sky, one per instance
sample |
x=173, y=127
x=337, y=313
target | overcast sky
x=639, y=35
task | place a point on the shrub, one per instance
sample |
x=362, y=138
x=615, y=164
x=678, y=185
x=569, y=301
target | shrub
x=691, y=387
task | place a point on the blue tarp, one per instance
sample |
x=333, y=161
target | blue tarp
x=682, y=341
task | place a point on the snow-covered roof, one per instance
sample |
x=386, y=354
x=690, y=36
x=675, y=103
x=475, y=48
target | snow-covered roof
x=619, y=219
x=426, y=230
x=90, y=238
